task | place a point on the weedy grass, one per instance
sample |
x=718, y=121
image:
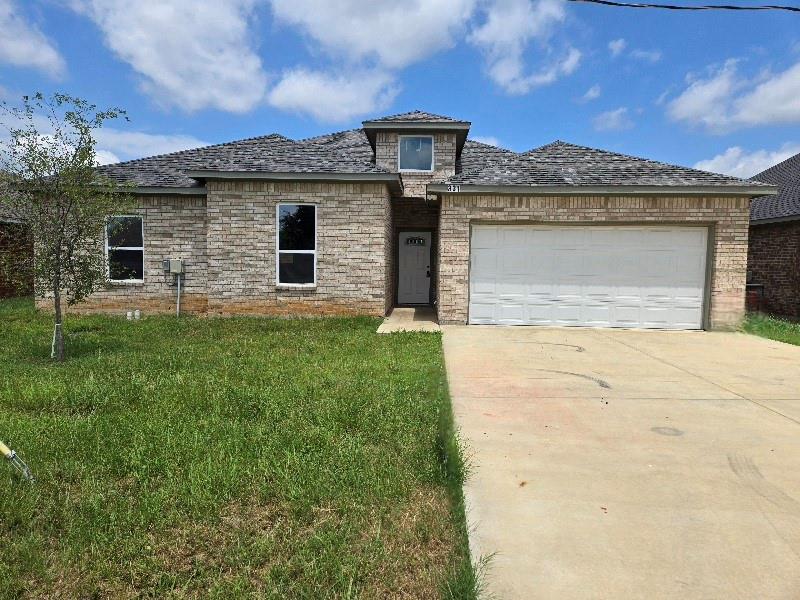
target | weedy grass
x=228, y=458
x=772, y=328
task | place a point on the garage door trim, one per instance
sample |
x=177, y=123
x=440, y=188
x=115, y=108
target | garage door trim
x=708, y=226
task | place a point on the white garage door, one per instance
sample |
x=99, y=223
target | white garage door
x=596, y=276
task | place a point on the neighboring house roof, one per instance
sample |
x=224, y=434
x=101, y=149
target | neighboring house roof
x=350, y=155
x=786, y=205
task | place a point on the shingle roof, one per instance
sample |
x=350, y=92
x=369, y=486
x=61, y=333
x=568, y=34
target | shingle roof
x=561, y=163
x=269, y=153
x=415, y=115
x=350, y=152
x=786, y=205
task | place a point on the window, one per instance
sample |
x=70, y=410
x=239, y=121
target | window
x=416, y=153
x=125, y=248
x=297, y=244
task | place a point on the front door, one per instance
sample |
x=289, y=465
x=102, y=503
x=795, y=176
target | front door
x=414, y=267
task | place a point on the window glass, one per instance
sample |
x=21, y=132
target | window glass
x=125, y=248
x=297, y=252
x=125, y=264
x=125, y=231
x=296, y=268
x=296, y=226
x=416, y=153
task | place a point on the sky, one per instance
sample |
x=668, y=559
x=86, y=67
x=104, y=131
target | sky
x=716, y=90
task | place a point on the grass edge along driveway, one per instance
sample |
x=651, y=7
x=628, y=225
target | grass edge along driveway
x=229, y=458
x=772, y=328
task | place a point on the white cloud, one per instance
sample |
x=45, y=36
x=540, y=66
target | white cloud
x=652, y=56
x=739, y=163
x=486, y=139
x=23, y=45
x=725, y=100
x=333, y=98
x=613, y=120
x=509, y=27
x=105, y=157
x=192, y=55
x=593, y=93
x=396, y=34
x=125, y=145
x=616, y=47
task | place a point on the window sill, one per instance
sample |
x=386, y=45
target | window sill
x=417, y=171
x=296, y=286
x=126, y=281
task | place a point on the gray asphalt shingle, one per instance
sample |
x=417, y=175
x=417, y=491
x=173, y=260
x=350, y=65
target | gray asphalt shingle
x=561, y=163
x=415, y=115
x=786, y=205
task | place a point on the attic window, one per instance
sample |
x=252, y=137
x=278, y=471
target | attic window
x=415, y=153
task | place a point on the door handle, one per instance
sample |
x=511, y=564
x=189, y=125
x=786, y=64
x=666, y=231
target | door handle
x=428, y=273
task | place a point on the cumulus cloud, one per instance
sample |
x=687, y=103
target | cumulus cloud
x=333, y=97
x=118, y=144
x=190, y=55
x=617, y=47
x=738, y=162
x=395, y=34
x=23, y=45
x=509, y=27
x=593, y=93
x=613, y=120
x=726, y=100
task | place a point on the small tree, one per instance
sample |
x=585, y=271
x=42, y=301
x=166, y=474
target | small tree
x=48, y=181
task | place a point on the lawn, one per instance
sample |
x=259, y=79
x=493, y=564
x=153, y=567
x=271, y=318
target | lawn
x=772, y=328
x=228, y=458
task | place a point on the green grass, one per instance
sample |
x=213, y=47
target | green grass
x=772, y=328
x=228, y=458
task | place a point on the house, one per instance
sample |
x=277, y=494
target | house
x=407, y=210
x=774, y=254
x=14, y=246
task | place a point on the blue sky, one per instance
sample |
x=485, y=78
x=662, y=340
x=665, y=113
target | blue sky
x=719, y=90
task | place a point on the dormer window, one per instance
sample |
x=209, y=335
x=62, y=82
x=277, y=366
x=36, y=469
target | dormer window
x=415, y=153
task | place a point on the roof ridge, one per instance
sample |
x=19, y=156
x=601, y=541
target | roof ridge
x=331, y=134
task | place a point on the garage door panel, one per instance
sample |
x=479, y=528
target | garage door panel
x=484, y=237
x=620, y=276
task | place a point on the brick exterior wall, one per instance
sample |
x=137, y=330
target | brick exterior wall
x=352, y=233
x=727, y=218
x=444, y=160
x=174, y=227
x=13, y=247
x=774, y=261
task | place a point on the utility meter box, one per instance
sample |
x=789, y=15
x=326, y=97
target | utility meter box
x=174, y=266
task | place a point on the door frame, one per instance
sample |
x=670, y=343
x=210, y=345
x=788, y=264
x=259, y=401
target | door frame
x=396, y=259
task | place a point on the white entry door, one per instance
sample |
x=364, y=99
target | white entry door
x=414, y=267
x=599, y=276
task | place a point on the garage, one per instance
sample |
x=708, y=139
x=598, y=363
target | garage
x=650, y=277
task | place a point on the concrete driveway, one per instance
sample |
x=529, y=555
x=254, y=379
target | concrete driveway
x=630, y=464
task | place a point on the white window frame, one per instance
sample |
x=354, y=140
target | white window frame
x=278, y=250
x=433, y=154
x=108, y=262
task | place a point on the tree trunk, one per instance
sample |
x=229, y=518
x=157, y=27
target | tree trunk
x=58, y=335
